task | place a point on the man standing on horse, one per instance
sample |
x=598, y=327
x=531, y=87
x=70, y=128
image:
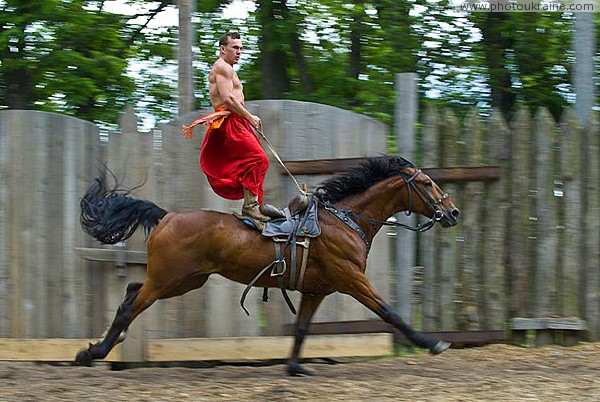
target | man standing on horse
x=232, y=157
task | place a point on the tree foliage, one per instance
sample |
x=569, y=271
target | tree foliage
x=76, y=58
x=64, y=56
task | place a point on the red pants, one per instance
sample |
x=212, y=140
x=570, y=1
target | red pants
x=232, y=158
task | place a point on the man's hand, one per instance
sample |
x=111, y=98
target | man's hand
x=255, y=121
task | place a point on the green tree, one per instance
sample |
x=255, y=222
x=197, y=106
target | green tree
x=64, y=56
x=528, y=58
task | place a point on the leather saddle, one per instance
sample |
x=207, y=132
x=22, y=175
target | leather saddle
x=300, y=220
x=297, y=222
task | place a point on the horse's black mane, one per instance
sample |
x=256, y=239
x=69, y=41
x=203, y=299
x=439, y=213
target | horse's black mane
x=361, y=178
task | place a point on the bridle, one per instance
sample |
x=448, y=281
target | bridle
x=433, y=204
x=411, y=185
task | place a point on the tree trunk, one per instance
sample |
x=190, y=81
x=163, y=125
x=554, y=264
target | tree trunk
x=495, y=43
x=355, y=38
x=273, y=72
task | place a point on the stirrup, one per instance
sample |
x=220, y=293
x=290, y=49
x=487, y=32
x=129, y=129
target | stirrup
x=271, y=211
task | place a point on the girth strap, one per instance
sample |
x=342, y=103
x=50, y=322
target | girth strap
x=278, y=268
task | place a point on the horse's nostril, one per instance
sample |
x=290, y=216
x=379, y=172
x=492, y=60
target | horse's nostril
x=455, y=213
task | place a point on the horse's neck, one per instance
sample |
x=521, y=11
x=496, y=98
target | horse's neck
x=378, y=202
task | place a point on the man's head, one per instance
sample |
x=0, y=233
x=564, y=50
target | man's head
x=230, y=47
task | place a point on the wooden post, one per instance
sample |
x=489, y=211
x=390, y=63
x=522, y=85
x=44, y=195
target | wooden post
x=546, y=218
x=591, y=279
x=5, y=222
x=449, y=238
x=573, y=265
x=405, y=127
x=428, y=242
x=471, y=229
x=519, y=235
x=496, y=206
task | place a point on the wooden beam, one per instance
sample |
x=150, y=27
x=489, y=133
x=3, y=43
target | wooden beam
x=198, y=349
x=268, y=347
x=378, y=326
x=341, y=165
x=113, y=255
x=455, y=174
x=50, y=350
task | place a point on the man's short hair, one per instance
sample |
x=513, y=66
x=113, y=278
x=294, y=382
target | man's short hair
x=224, y=40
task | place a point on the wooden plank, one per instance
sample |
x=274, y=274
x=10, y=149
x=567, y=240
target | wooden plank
x=268, y=347
x=52, y=350
x=379, y=326
x=591, y=280
x=5, y=223
x=113, y=255
x=469, y=269
x=572, y=240
x=341, y=165
x=448, y=246
x=546, y=214
x=567, y=323
x=520, y=224
x=496, y=205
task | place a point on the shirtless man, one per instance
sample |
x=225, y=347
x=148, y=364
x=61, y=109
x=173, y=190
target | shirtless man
x=232, y=157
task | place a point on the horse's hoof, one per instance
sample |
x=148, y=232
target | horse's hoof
x=84, y=358
x=439, y=347
x=298, y=371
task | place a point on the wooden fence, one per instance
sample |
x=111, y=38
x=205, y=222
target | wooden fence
x=53, y=281
x=528, y=244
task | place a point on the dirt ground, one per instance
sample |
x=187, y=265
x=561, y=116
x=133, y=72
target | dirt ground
x=496, y=372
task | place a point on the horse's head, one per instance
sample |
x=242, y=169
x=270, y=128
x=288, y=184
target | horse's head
x=427, y=198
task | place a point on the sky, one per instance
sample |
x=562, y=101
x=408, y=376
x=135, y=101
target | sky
x=168, y=17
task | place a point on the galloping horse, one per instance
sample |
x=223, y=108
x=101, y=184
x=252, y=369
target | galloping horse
x=185, y=248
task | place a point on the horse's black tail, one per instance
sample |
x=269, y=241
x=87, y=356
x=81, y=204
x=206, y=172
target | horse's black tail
x=110, y=215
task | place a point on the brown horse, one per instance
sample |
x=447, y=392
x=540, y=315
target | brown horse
x=185, y=248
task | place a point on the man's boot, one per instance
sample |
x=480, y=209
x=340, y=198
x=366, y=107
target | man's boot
x=271, y=211
x=251, y=208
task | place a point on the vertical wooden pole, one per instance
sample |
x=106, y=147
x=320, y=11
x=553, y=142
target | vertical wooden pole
x=591, y=280
x=471, y=230
x=519, y=241
x=449, y=237
x=405, y=128
x=496, y=207
x=5, y=222
x=546, y=218
x=573, y=265
x=429, y=255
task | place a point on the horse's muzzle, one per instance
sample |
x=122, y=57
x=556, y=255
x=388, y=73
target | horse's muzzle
x=447, y=218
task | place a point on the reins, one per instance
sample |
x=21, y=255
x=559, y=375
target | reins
x=410, y=185
x=276, y=155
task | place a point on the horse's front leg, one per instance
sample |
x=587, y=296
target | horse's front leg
x=308, y=307
x=360, y=288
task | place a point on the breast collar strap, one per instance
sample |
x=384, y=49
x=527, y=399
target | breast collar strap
x=344, y=216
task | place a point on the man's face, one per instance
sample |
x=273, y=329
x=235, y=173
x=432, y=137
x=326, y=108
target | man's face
x=232, y=51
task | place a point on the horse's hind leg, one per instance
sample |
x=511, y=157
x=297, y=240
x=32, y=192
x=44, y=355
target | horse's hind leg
x=131, y=307
x=358, y=286
x=308, y=306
